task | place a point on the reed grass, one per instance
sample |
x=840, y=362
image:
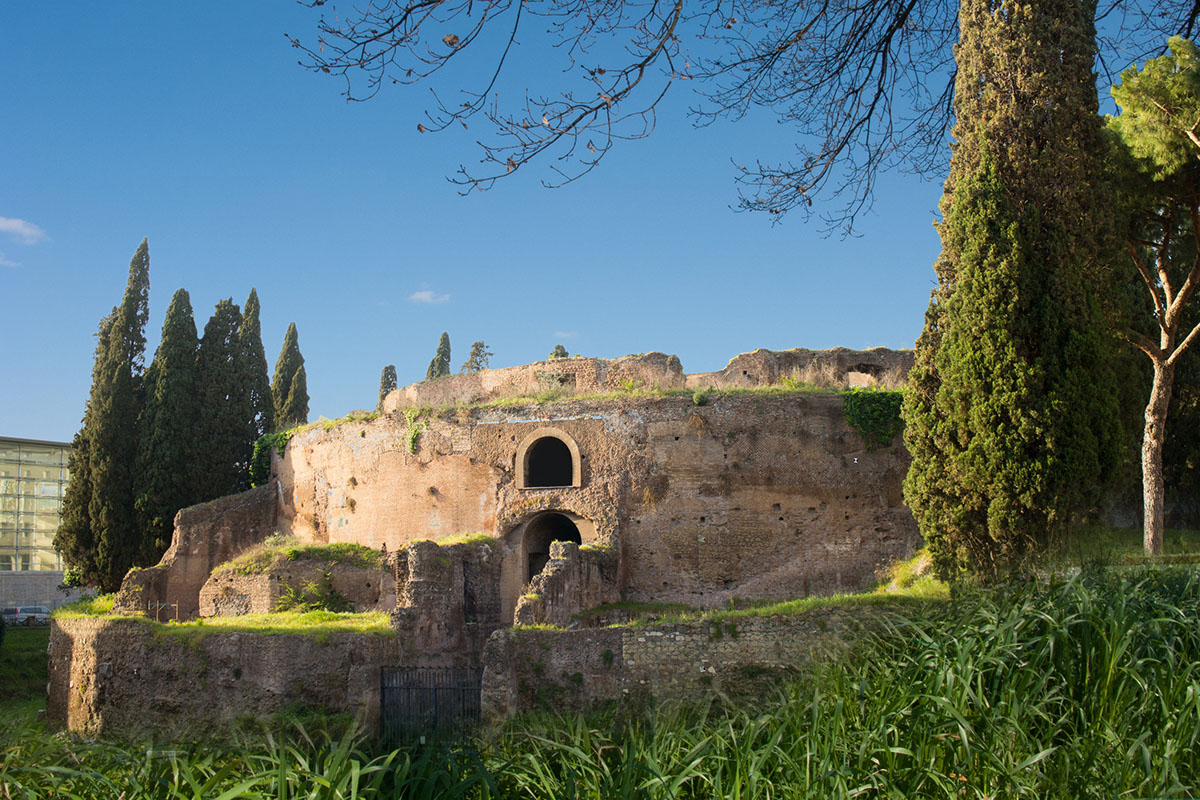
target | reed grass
x=1059, y=688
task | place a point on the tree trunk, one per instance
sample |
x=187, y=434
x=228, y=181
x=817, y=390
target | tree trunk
x=1152, y=464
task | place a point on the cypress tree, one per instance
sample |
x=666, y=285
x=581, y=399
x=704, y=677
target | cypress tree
x=439, y=367
x=253, y=400
x=387, y=384
x=1010, y=418
x=111, y=426
x=162, y=479
x=75, y=539
x=291, y=405
x=296, y=405
x=220, y=424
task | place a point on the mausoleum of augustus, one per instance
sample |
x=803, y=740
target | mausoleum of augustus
x=555, y=493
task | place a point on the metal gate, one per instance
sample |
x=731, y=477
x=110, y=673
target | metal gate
x=421, y=700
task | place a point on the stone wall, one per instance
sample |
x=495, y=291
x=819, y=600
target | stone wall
x=564, y=376
x=227, y=593
x=528, y=670
x=205, y=535
x=839, y=366
x=574, y=580
x=119, y=677
x=747, y=497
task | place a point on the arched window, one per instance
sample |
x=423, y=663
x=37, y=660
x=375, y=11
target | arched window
x=548, y=459
x=549, y=464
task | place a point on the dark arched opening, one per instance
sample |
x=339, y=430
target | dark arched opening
x=541, y=532
x=548, y=463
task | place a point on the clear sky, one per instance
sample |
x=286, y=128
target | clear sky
x=192, y=125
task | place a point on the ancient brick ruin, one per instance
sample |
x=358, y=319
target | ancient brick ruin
x=621, y=484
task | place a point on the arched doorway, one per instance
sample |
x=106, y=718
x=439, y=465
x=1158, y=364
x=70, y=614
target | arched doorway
x=548, y=463
x=527, y=550
x=543, y=530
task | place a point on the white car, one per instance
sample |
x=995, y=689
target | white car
x=32, y=615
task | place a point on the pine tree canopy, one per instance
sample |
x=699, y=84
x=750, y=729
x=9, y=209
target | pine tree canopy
x=291, y=406
x=478, y=359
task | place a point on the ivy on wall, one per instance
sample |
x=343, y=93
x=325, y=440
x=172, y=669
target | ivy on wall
x=874, y=414
x=260, y=462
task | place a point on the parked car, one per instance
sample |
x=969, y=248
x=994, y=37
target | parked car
x=32, y=615
x=10, y=615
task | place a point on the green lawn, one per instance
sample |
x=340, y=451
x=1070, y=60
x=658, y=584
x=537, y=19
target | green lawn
x=23, y=666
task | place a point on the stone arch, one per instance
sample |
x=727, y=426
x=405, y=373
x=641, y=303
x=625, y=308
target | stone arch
x=549, y=458
x=527, y=549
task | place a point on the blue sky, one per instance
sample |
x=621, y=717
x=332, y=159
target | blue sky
x=192, y=124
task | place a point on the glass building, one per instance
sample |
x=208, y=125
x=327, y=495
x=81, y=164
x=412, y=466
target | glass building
x=33, y=475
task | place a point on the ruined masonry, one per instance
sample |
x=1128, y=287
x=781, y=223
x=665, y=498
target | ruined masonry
x=598, y=494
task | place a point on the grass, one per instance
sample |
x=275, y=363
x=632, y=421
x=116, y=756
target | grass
x=1084, y=687
x=468, y=538
x=23, y=664
x=86, y=606
x=263, y=557
x=1098, y=544
x=318, y=624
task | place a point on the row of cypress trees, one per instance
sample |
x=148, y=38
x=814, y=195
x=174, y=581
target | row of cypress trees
x=173, y=434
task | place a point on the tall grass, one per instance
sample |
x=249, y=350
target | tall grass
x=1088, y=687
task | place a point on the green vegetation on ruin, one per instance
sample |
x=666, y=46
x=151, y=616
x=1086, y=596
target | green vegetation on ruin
x=87, y=606
x=467, y=538
x=261, y=558
x=1038, y=688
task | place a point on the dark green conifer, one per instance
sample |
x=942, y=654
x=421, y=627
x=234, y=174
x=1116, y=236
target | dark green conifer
x=291, y=405
x=75, y=539
x=111, y=429
x=439, y=367
x=387, y=384
x=220, y=426
x=1009, y=417
x=296, y=406
x=162, y=480
x=253, y=400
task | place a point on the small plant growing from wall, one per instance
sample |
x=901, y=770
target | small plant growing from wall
x=412, y=433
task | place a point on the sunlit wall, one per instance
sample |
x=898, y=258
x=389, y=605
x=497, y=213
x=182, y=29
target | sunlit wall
x=33, y=475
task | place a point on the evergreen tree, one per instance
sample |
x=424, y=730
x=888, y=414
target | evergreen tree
x=75, y=539
x=478, y=359
x=439, y=367
x=255, y=405
x=296, y=405
x=558, y=352
x=99, y=536
x=291, y=406
x=387, y=384
x=1010, y=417
x=162, y=480
x=1157, y=152
x=220, y=423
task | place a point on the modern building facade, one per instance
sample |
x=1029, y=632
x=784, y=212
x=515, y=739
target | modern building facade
x=33, y=475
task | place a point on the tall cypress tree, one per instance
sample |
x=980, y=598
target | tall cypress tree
x=111, y=426
x=439, y=367
x=1010, y=418
x=387, y=384
x=220, y=425
x=291, y=403
x=162, y=480
x=75, y=539
x=253, y=400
